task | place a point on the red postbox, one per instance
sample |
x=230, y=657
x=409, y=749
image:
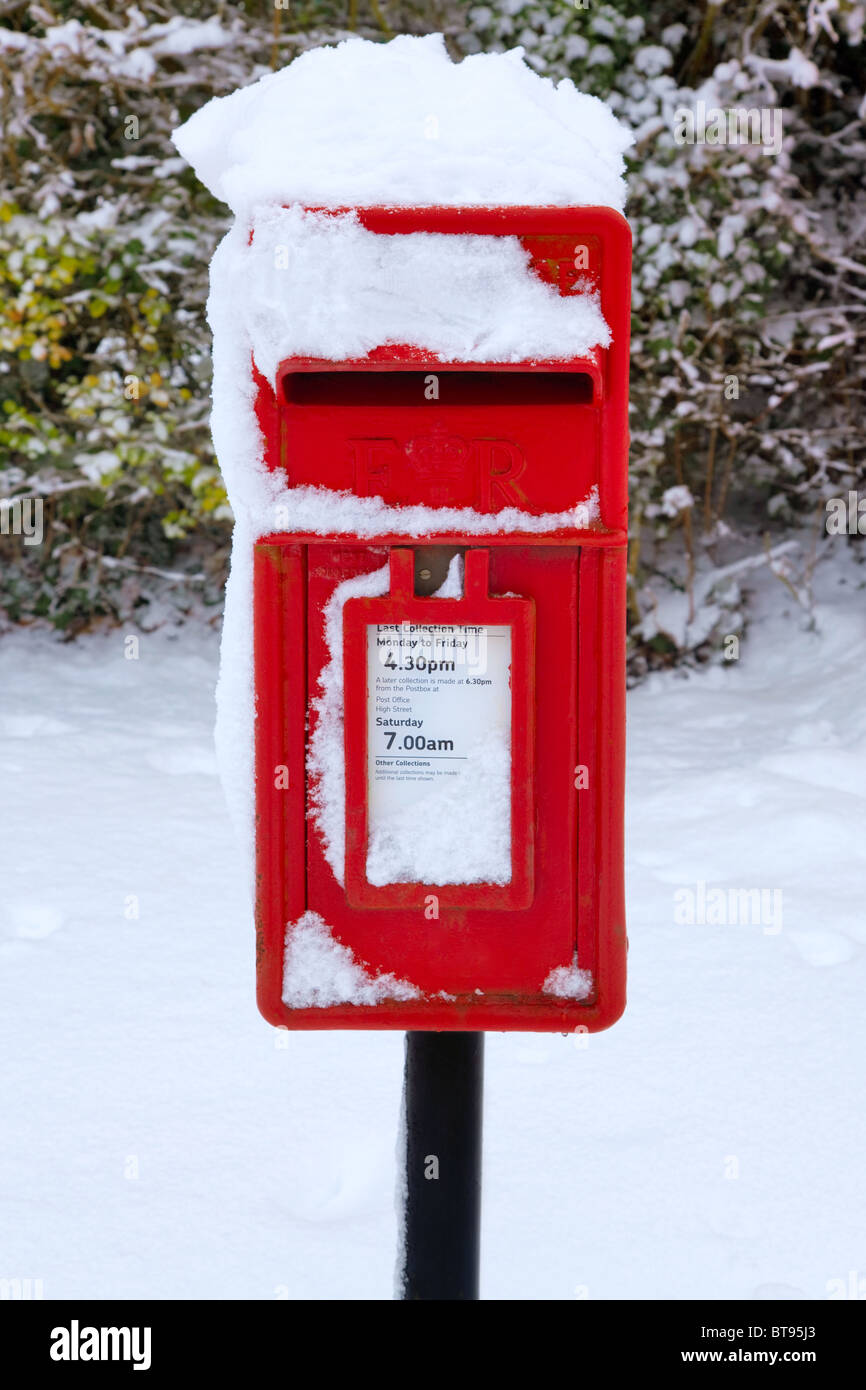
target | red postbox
x=469, y=863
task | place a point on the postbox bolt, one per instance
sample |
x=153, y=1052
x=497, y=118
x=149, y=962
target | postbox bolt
x=425, y=574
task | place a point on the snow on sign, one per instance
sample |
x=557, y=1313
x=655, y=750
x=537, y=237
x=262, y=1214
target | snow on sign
x=420, y=405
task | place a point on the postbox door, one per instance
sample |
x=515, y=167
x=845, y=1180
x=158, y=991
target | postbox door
x=477, y=941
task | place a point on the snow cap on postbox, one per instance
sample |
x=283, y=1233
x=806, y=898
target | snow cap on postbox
x=400, y=124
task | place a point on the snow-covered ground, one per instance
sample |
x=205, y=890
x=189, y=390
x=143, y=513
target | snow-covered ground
x=159, y=1140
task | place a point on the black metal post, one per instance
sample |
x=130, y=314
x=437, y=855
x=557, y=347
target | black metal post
x=443, y=1086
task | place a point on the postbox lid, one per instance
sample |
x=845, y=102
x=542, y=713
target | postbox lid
x=537, y=440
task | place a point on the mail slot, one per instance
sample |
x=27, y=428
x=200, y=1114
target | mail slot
x=440, y=688
x=481, y=439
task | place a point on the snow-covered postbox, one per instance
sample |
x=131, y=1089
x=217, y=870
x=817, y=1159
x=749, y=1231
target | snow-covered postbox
x=440, y=656
x=421, y=327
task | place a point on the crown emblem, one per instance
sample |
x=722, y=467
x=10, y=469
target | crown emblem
x=440, y=458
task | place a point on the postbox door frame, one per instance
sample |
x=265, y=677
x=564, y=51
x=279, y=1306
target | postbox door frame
x=477, y=606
